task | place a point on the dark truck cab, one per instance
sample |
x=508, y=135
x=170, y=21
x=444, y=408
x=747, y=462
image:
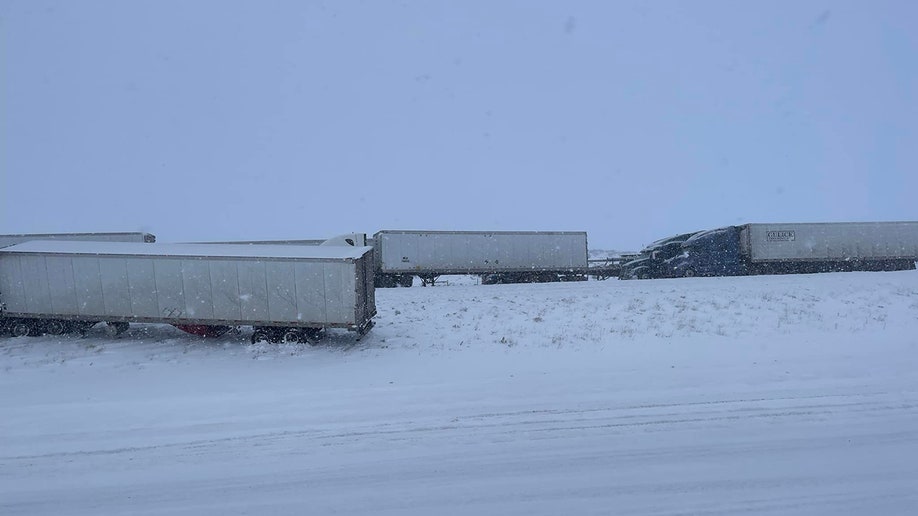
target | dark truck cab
x=655, y=259
x=711, y=253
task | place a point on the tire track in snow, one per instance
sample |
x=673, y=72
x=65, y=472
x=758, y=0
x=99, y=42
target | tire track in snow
x=561, y=421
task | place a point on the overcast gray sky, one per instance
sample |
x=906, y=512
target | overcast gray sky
x=304, y=119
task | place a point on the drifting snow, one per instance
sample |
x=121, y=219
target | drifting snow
x=766, y=395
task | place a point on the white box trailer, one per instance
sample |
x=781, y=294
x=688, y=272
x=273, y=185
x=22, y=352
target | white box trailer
x=284, y=292
x=840, y=241
x=499, y=255
x=8, y=240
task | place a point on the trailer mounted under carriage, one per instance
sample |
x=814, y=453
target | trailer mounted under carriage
x=290, y=293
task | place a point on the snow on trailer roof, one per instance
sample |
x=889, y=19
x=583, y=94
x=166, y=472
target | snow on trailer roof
x=188, y=250
x=54, y=236
x=445, y=232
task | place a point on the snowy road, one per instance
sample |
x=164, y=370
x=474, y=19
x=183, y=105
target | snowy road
x=712, y=396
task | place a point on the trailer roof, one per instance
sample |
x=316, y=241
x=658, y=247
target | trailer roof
x=187, y=250
x=438, y=232
x=54, y=236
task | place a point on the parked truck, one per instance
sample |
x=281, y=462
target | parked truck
x=8, y=240
x=655, y=259
x=496, y=256
x=790, y=248
x=285, y=293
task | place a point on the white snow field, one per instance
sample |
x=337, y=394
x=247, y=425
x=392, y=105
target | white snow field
x=757, y=395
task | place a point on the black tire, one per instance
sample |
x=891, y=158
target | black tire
x=292, y=336
x=260, y=336
x=55, y=327
x=21, y=329
x=689, y=273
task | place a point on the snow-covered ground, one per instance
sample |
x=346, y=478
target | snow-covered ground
x=763, y=395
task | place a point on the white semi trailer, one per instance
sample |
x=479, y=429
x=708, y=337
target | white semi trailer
x=286, y=293
x=497, y=256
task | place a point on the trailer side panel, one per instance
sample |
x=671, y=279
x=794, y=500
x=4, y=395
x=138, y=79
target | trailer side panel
x=831, y=241
x=468, y=252
x=152, y=285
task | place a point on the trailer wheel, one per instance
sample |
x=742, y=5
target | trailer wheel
x=260, y=336
x=292, y=337
x=55, y=327
x=21, y=329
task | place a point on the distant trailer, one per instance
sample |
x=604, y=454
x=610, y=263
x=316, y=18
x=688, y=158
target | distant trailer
x=286, y=293
x=8, y=240
x=496, y=256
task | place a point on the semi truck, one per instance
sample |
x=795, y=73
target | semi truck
x=285, y=293
x=496, y=256
x=8, y=240
x=788, y=248
x=654, y=260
